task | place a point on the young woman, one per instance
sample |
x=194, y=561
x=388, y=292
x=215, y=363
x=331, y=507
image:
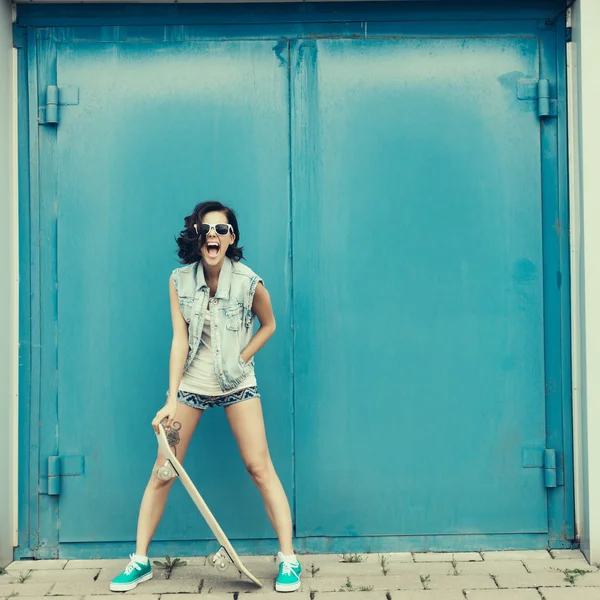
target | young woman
x=214, y=300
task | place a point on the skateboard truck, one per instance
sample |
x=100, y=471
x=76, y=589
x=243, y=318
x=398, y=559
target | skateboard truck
x=166, y=472
x=220, y=560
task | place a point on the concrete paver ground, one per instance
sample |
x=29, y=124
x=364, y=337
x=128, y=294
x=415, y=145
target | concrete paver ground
x=531, y=575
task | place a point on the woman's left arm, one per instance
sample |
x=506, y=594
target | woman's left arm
x=261, y=305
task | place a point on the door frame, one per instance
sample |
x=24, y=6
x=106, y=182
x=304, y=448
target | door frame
x=37, y=31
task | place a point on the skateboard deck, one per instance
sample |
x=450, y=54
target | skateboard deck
x=173, y=468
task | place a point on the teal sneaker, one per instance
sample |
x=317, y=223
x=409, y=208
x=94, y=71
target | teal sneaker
x=133, y=574
x=288, y=579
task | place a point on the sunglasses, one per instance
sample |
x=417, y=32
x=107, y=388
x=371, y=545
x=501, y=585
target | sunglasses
x=220, y=228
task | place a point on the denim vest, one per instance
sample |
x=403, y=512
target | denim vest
x=231, y=316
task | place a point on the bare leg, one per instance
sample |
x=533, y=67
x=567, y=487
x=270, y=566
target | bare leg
x=247, y=424
x=157, y=491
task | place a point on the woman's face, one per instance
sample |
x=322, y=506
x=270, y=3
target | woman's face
x=217, y=239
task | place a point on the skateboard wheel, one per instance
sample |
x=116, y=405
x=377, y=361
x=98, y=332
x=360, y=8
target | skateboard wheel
x=221, y=565
x=166, y=472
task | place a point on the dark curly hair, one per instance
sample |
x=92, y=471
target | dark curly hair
x=189, y=242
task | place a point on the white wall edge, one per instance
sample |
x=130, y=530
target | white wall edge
x=9, y=296
x=15, y=300
x=585, y=260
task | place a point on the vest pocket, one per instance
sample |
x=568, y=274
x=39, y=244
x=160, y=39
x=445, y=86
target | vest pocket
x=185, y=305
x=233, y=318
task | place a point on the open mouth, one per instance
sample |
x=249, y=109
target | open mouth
x=212, y=249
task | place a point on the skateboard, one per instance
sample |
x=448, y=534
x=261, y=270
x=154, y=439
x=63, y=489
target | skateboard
x=226, y=555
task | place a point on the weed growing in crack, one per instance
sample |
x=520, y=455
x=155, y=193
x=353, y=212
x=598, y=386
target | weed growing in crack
x=347, y=587
x=571, y=575
x=455, y=566
x=169, y=565
x=23, y=577
x=352, y=558
x=384, y=563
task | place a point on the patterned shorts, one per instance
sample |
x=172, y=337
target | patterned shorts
x=203, y=402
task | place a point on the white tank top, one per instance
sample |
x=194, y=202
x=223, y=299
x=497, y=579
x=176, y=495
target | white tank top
x=200, y=378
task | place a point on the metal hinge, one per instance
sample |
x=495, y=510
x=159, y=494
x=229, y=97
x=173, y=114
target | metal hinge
x=59, y=466
x=57, y=96
x=548, y=460
x=538, y=89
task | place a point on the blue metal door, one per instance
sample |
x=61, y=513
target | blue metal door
x=147, y=131
x=418, y=287
x=402, y=196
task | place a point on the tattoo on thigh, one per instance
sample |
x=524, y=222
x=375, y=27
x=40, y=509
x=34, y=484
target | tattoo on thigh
x=173, y=436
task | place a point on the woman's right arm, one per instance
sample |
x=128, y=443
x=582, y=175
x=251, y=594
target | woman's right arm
x=179, y=353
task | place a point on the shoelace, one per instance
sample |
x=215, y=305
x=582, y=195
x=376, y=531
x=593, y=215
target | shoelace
x=131, y=566
x=287, y=565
